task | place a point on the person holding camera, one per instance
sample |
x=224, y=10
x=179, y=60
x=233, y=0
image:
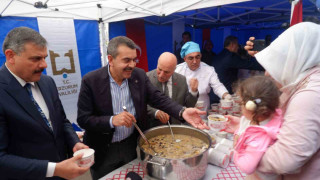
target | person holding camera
x=228, y=62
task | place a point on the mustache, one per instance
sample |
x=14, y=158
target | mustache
x=128, y=69
x=38, y=70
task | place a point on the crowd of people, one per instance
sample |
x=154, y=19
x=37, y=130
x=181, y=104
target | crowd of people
x=277, y=136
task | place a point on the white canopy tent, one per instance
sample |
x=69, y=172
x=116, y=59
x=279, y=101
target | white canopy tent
x=196, y=13
x=104, y=11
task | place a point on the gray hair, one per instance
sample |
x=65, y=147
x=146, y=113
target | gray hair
x=18, y=37
x=116, y=42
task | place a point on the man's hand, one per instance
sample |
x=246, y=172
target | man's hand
x=227, y=96
x=79, y=146
x=192, y=116
x=69, y=169
x=249, y=46
x=194, y=84
x=162, y=116
x=123, y=119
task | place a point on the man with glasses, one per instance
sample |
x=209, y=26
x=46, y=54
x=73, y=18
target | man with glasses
x=205, y=74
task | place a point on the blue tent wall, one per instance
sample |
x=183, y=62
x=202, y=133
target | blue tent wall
x=216, y=36
x=87, y=34
x=8, y=23
x=159, y=40
x=88, y=42
x=117, y=29
x=159, y=37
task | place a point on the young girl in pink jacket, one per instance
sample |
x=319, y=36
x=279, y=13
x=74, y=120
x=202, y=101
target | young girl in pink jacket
x=259, y=125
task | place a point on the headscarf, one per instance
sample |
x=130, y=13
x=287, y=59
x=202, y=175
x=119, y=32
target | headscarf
x=189, y=47
x=289, y=58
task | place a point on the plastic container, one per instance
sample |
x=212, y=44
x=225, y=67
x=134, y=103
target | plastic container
x=226, y=104
x=87, y=159
x=216, y=122
x=218, y=158
x=200, y=105
x=225, y=149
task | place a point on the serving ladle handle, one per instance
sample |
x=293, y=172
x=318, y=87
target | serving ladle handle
x=141, y=133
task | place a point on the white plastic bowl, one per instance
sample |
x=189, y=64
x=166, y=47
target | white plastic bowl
x=216, y=125
x=87, y=159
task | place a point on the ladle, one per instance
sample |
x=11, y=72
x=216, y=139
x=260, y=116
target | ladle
x=174, y=140
x=141, y=133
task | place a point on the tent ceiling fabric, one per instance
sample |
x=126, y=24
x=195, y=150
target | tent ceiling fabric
x=196, y=13
x=249, y=14
x=110, y=11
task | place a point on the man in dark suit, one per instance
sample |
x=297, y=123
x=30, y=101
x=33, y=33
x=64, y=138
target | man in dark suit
x=228, y=62
x=173, y=85
x=34, y=131
x=104, y=92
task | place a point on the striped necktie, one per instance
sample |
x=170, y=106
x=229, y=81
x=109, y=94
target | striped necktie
x=28, y=87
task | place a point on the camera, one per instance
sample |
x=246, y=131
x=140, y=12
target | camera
x=258, y=44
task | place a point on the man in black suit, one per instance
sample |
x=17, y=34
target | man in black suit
x=104, y=92
x=34, y=131
x=228, y=62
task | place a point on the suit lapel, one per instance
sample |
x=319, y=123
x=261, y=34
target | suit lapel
x=17, y=92
x=174, y=87
x=134, y=84
x=156, y=82
x=105, y=90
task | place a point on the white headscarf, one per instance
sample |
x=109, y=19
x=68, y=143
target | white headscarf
x=289, y=58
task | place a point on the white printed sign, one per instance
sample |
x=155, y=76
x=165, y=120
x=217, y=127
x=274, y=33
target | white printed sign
x=63, y=60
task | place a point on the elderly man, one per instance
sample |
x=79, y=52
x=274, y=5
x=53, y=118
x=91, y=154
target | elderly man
x=205, y=74
x=34, y=131
x=173, y=85
x=104, y=93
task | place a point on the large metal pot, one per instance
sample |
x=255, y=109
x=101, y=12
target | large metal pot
x=191, y=168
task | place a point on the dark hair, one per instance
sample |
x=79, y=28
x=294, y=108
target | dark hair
x=18, y=37
x=114, y=43
x=263, y=88
x=229, y=40
x=186, y=33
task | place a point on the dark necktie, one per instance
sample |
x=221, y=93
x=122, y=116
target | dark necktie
x=166, y=90
x=28, y=87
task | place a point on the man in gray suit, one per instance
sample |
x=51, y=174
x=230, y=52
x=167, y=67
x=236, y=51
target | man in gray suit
x=173, y=85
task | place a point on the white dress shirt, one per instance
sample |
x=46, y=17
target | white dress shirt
x=207, y=78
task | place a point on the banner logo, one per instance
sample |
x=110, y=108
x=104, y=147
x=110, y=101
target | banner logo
x=53, y=57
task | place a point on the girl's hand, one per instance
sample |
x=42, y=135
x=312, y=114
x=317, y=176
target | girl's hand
x=232, y=123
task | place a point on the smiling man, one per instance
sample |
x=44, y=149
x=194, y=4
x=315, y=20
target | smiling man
x=104, y=93
x=173, y=85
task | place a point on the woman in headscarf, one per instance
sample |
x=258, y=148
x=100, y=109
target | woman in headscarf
x=292, y=60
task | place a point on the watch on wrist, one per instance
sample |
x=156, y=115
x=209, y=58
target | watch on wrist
x=180, y=114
